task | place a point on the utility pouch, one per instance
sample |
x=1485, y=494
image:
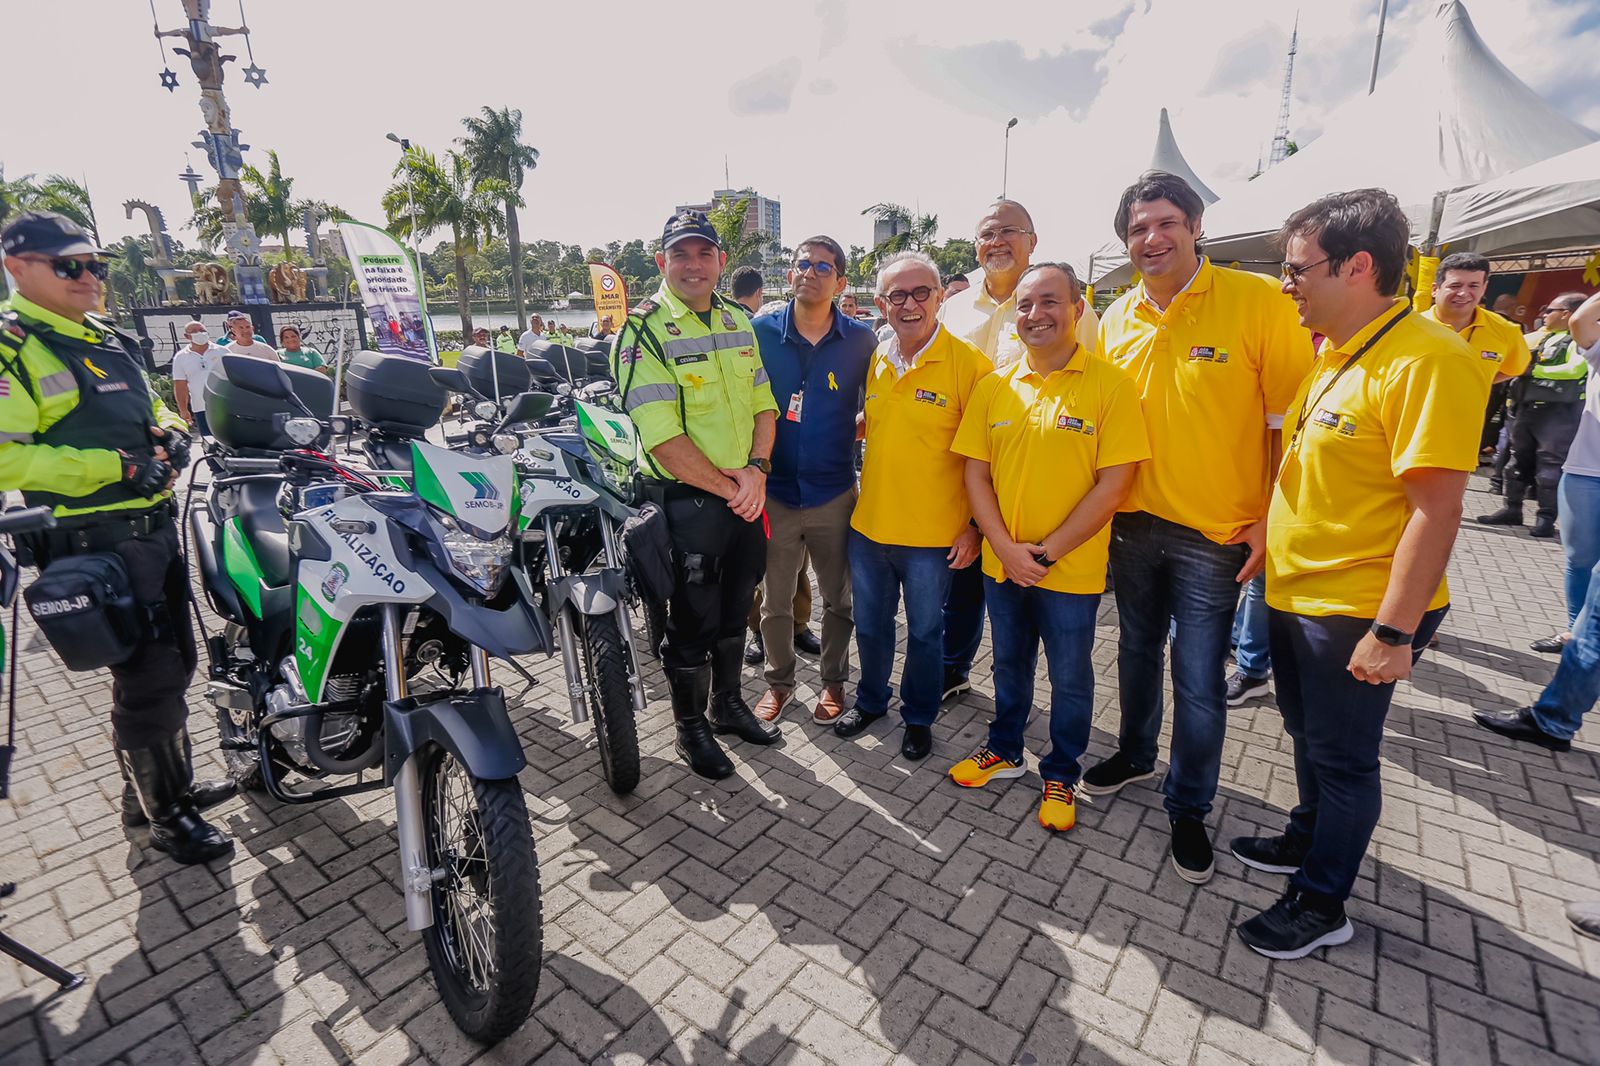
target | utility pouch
x=701, y=569
x=84, y=606
x=647, y=553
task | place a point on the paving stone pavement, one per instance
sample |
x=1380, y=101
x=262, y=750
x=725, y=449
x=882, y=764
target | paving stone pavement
x=832, y=904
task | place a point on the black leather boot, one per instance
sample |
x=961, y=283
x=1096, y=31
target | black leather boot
x=690, y=688
x=204, y=793
x=729, y=712
x=164, y=778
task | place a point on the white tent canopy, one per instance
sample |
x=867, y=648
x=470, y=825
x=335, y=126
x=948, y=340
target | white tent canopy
x=1549, y=206
x=1451, y=115
x=1167, y=156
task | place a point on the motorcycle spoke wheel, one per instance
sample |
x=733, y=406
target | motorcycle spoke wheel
x=605, y=667
x=486, y=941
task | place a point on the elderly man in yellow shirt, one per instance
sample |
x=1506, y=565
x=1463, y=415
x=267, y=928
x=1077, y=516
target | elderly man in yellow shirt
x=912, y=525
x=1364, y=515
x=1052, y=442
x=985, y=314
x=1217, y=355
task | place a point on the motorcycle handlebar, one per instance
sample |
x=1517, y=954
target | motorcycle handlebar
x=27, y=520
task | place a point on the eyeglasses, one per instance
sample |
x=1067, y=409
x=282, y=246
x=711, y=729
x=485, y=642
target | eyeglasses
x=1004, y=233
x=1297, y=273
x=72, y=269
x=899, y=296
x=822, y=269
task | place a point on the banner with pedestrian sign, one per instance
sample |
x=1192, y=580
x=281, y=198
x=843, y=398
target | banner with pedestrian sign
x=396, y=305
x=610, y=297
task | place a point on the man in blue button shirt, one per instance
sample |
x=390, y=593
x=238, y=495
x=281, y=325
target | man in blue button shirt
x=818, y=360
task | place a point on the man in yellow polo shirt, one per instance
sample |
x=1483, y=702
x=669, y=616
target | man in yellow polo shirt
x=1364, y=514
x=1458, y=288
x=1052, y=443
x=986, y=315
x=912, y=526
x=1217, y=355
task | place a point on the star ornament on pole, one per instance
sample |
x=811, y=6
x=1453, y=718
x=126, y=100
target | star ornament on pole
x=254, y=75
x=169, y=81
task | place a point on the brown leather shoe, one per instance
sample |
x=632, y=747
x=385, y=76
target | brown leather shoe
x=830, y=705
x=771, y=705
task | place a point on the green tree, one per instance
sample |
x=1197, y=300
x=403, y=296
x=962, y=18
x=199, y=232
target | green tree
x=728, y=219
x=494, y=147
x=915, y=233
x=447, y=196
x=57, y=193
x=269, y=203
x=956, y=256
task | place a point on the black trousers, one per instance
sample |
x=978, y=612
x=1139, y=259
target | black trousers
x=1541, y=434
x=1494, y=416
x=148, y=689
x=719, y=558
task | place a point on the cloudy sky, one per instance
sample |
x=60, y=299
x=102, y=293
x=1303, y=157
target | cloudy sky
x=830, y=105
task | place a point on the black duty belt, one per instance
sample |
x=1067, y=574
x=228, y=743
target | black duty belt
x=100, y=531
x=665, y=489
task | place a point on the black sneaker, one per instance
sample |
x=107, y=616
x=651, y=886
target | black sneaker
x=1544, y=527
x=1295, y=926
x=1243, y=688
x=1275, y=855
x=1107, y=778
x=955, y=683
x=1191, y=851
x=1508, y=515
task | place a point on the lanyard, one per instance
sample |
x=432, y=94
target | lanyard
x=1311, y=404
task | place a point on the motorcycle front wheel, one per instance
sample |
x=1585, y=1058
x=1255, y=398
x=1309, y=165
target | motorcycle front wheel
x=604, y=660
x=486, y=943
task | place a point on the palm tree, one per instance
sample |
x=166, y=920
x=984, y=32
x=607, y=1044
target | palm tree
x=269, y=203
x=493, y=145
x=56, y=193
x=728, y=218
x=447, y=194
x=916, y=233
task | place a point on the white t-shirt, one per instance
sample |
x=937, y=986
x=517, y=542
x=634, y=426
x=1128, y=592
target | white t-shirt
x=528, y=339
x=194, y=367
x=255, y=348
x=1584, y=455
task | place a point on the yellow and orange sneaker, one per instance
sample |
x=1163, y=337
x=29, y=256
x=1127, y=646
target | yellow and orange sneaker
x=983, y=766
x=1058, y=809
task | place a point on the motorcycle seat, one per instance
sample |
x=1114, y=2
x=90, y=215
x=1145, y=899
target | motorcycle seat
x=265, y=531
x=388, y=454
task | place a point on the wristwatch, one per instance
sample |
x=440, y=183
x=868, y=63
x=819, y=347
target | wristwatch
x=763, y=465
x=1395, y=638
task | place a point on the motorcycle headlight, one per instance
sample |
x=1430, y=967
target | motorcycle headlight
x=481, y=563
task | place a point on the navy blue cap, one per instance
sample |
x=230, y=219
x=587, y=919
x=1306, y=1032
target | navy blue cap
x=686, y=224
x=46, y=233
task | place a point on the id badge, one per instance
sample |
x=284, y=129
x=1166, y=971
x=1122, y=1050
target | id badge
x=793, y=414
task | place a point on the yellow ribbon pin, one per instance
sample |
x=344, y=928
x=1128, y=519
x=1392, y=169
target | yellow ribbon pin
x=833, y=382
x=96, y=371
x=694, y=379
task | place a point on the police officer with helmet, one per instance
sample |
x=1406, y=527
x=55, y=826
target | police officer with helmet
x=82, y=432
x=690, y=375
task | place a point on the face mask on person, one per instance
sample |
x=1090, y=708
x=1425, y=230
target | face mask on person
x=199, y=337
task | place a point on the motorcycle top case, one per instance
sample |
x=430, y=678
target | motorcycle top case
x=475, y=363
x=241, y=419
x=394, y=393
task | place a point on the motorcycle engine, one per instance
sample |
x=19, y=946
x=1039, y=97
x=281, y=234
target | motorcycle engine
x=338, y=729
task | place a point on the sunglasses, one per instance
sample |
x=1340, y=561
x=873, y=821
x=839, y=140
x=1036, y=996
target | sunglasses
x=899, y=296
x=72, y=269
x=822, y=269
x=1297, y=274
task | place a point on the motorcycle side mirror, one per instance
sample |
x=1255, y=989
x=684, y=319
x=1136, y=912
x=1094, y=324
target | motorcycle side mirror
x=450, y=378
x=527, y=407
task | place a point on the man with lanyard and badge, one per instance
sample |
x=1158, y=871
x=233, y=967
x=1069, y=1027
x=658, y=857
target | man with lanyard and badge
x=692, y=381
x=81, y=432
x=1364, y=513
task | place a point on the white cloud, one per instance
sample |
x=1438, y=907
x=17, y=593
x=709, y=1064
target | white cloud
x=635, y=105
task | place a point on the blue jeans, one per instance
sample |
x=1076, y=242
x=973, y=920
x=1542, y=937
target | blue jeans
x=1020, y=618
x=1171, y=579
x=1336, y=723
x=1251, y=652
x=963, y=618
x=878, y=575
x=1578, y=501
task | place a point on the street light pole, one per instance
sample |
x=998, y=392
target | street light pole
x=1005, y=173
x=1377, y=45
x=411, y=203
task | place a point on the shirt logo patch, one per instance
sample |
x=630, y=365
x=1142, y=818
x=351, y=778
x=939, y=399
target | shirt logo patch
x=5, y=388
x=1493, y=356
x=1347, y=426
x=697, y=357
x=112, y=386
x=935, y=398
x=727, y=321
x=1002, y=422
x=1077, y=425
x=1325, y=417
x=1208, y=355
x=672, y=328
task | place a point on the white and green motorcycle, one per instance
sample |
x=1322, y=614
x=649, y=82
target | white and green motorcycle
x=338, y=593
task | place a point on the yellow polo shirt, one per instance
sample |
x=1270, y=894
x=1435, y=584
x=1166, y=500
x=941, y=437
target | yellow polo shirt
x=1214, y=371
x=1045, y=440
x=1339, y=506
x=990, y=325
x=912, y=487
x=1496, y=341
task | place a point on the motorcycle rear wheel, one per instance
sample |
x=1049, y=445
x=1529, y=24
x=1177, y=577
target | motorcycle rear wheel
x=604, y=661
x=486, y=944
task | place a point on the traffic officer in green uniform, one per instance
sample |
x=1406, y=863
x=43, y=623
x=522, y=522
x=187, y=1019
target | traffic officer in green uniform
x=1546, y=405
x=691, y=378
x=81, y=432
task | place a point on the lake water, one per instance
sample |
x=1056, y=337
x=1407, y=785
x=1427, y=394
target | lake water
x=445, y=316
